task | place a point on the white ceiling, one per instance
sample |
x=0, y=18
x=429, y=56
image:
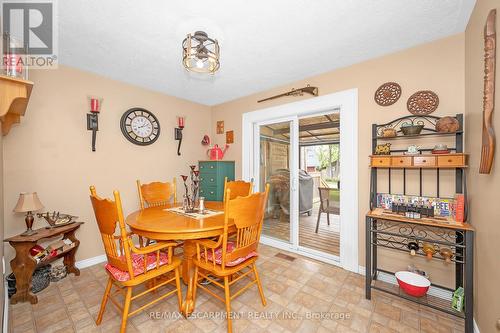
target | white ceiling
x=264, y=43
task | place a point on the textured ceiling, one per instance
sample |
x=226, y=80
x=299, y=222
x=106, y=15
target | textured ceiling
x=263, y=43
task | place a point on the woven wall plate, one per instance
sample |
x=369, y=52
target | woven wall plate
x=387, y=94
x=422, y=102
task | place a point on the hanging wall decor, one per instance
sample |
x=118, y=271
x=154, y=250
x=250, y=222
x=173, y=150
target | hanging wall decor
x=295, y=92
x=140, y=126
x=422, y=102
x=488, y=141
x=93, y=118
x=206, y=140
x=220, y=127
x=181, y=120
x=229, y=137
x=387, y=94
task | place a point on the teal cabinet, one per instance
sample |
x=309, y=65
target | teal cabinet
x=212, y=174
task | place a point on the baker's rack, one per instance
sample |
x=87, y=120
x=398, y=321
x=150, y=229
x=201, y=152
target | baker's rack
x=391, y=231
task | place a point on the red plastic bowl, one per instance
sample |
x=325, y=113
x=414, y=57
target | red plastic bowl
x=412, y=283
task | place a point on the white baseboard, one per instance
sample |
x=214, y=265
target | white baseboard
x=90, y=261
x=476, y=328
x=5, y=323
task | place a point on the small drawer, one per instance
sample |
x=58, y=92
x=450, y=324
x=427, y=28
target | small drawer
x=208, y=179
x=210, y=193
x=451, y=160
x=381, y=161
x=208, y=166
x=401, y=161
x=424, y=161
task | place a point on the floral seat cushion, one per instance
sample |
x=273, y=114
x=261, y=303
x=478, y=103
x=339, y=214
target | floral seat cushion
x=137, y=265
x=230, y=248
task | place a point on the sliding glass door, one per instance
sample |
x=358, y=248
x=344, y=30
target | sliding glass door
x=299, y=158
x=274, y=167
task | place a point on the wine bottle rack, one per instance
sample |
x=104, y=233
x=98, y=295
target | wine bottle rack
x=391, y=231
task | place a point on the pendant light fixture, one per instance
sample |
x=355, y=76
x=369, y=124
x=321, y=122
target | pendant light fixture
x=200, y=53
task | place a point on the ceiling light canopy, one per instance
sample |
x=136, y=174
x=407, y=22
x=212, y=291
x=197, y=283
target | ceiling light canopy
x=200, y=53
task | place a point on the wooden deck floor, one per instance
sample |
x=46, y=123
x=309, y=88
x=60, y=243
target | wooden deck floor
x=326, y=240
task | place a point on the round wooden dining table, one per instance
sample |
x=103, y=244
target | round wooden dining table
x=159, y=223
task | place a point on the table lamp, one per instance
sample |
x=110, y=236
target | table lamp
x=28, y=203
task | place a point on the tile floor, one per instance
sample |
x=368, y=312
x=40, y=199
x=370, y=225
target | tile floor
x=297, y=291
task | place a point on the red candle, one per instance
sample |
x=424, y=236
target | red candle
x=180, y=122
x=95, y=105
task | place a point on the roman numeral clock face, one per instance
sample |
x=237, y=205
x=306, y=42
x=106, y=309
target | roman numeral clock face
x=140, y=126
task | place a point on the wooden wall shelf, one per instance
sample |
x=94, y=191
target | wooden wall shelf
x=14, y=98
x=420, y=161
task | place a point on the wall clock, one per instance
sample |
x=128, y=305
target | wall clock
x=140, y=126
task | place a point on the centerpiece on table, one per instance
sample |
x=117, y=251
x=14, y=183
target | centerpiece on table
x=191, y=197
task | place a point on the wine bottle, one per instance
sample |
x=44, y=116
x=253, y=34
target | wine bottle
x=413, y=247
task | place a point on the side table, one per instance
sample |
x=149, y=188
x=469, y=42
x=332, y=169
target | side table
x=23, y=265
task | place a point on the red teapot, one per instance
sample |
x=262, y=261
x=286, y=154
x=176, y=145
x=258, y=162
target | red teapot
x=216, y=153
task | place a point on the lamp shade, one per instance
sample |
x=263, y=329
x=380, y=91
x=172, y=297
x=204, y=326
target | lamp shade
x=28, y=202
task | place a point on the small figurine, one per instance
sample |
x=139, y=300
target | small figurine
x=413, y=150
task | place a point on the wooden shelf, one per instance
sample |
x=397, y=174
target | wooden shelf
x=48, y=260
x=427, y=300
x=14, y=98
x=380, y=213
x=419, y=161
x=417, y=136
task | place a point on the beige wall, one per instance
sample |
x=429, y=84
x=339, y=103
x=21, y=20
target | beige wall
x=484, y=190
x=49, y=152
x=438, y=66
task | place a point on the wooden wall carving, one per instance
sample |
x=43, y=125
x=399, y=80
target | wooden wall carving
x=488, y=140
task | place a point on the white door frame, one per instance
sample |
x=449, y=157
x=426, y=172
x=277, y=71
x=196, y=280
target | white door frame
x=347, y=102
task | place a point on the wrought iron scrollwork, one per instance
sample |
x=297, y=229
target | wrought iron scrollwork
x=443, y=236
x=429, y=123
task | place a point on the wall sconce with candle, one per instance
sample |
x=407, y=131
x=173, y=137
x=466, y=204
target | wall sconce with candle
x=178, y=132
x=93, y=119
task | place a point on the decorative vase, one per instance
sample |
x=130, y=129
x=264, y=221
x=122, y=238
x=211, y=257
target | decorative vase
x=190, y=199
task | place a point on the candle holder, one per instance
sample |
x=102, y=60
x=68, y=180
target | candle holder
x=178, y=132
x=93, y=118
x=190, y=198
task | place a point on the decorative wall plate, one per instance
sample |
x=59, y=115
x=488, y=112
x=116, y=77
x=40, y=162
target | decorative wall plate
x=422, y=102
x=387, y=94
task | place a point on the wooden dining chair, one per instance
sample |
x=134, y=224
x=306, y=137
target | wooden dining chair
x=325, y=205
x=157, y=193
x=232, y=260
x=239, y=188
x=129, y=266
